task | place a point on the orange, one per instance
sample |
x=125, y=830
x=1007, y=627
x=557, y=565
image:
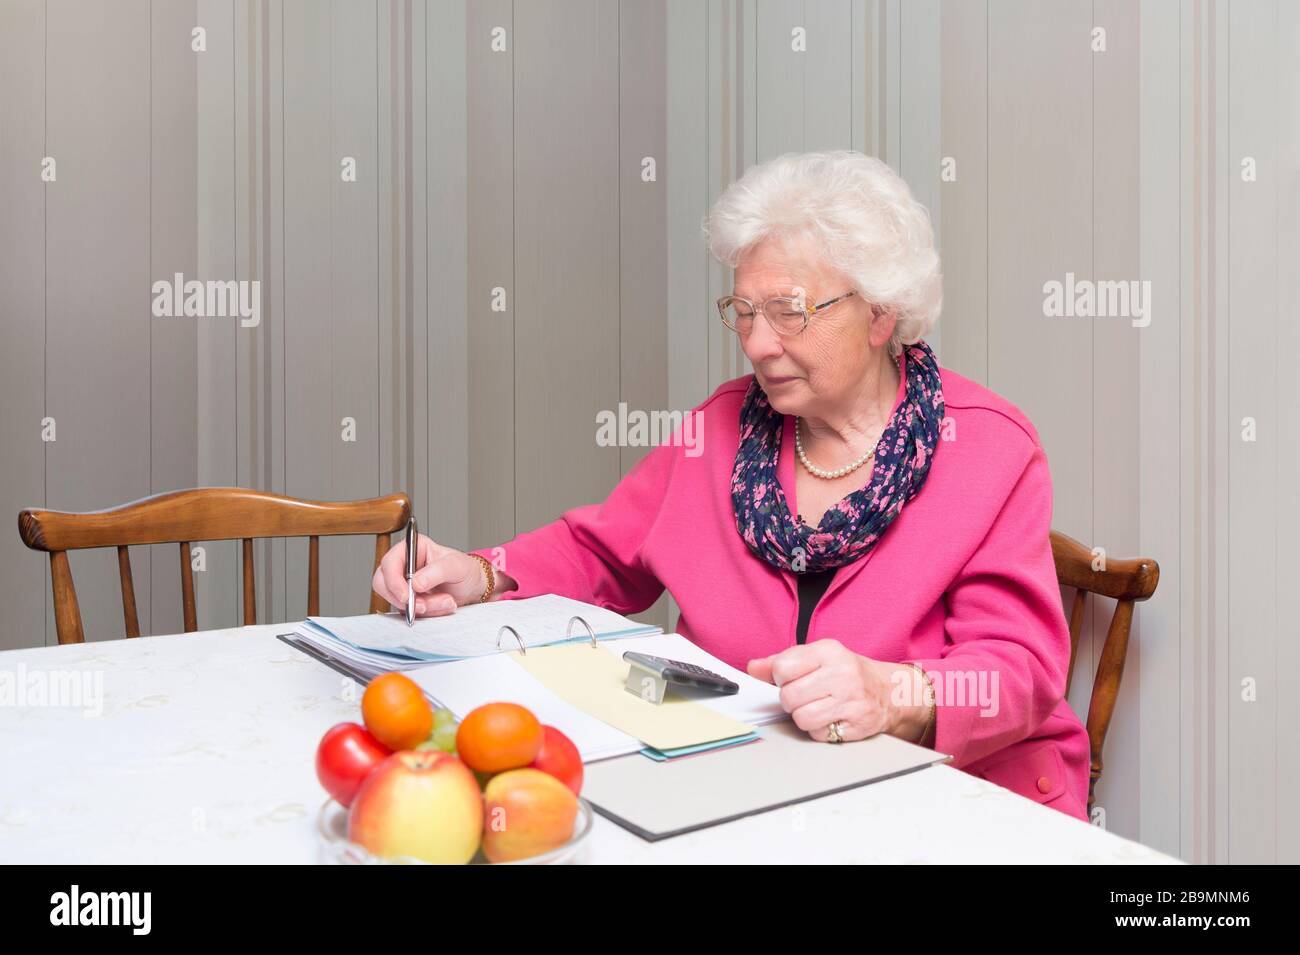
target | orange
x=396, y=711
x=498, y=736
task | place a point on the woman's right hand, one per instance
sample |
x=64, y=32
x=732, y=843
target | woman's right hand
x=444, y=578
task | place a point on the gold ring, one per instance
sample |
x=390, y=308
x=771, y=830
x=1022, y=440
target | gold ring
x=834, y=734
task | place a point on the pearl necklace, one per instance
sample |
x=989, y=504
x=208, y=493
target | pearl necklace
x=821, y=472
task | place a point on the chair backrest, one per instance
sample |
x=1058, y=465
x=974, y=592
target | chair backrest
x=1126, y=582
x=202, y=514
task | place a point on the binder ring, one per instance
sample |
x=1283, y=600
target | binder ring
x=504, y=627
x=568, y=633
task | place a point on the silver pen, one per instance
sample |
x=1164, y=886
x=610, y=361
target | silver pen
x=411, y=548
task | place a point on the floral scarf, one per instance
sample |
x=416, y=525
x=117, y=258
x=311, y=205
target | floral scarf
x=854, y=525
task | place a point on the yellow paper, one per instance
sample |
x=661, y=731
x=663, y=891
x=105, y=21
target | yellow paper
x=592, y=679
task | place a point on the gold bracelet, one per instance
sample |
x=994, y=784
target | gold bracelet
x=929, y=719
x=491, y=576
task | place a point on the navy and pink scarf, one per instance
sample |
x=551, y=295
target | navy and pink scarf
x=853, y=526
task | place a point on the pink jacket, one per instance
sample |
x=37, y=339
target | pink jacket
x=962, y=583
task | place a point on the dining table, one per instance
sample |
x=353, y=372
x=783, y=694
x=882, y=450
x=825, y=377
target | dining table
x=200, y=748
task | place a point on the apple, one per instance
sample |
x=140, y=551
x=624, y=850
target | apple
x=559, y=757
x=526, y=812
x=345, y=757
x=424, y=805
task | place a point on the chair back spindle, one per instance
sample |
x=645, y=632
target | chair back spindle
x=250, y=584
x=313, y=576
x=128, y=592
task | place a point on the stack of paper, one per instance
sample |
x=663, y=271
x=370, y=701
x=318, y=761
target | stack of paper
x=567, y=682
x=377, y=643
x=588, y=703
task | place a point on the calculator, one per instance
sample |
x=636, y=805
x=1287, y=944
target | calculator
x=683, y=674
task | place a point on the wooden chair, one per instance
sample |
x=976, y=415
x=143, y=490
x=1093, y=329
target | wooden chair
x=202, y=514
x=1126, y=582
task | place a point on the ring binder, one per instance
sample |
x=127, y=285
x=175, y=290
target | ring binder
x=518, y=639
x=568, y=631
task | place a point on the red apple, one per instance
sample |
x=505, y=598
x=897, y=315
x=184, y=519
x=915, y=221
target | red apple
x=345, y=757
x=526, y=812
x=425, y=805
x=559, y=757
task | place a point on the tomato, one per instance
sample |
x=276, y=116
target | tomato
x=560, y=758
x=498, y=736
x=346, y=755
x=396, y=711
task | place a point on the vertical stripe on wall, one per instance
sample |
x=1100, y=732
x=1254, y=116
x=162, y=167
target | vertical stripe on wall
x=449, y=194
x=173, y=247
x=98, y=327
x=1286, y=357
x=217, y=166
x=492, y=295
x=24, y=583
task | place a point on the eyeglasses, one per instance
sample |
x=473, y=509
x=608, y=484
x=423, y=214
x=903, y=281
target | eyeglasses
x=786, y=314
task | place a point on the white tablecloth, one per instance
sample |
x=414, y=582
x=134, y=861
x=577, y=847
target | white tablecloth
x=204, y=750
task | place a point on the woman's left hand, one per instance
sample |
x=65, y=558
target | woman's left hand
x=824, y=682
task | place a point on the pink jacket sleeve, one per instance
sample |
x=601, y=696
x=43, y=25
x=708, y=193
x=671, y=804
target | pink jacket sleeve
x=593, y=553
x=1003, y=670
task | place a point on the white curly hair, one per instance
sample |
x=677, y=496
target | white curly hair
x=860, y=213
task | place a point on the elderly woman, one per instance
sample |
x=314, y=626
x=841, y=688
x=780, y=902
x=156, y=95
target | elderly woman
x=864, y=529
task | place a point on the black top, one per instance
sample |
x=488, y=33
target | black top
x=812, y=587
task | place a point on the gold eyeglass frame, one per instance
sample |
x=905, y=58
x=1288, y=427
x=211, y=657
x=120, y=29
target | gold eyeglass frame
x=760, y=308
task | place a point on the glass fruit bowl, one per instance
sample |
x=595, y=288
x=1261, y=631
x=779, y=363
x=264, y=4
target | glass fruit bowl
x=335, y=849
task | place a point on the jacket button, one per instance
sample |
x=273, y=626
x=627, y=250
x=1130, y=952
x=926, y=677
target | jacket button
x=1044, y=785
